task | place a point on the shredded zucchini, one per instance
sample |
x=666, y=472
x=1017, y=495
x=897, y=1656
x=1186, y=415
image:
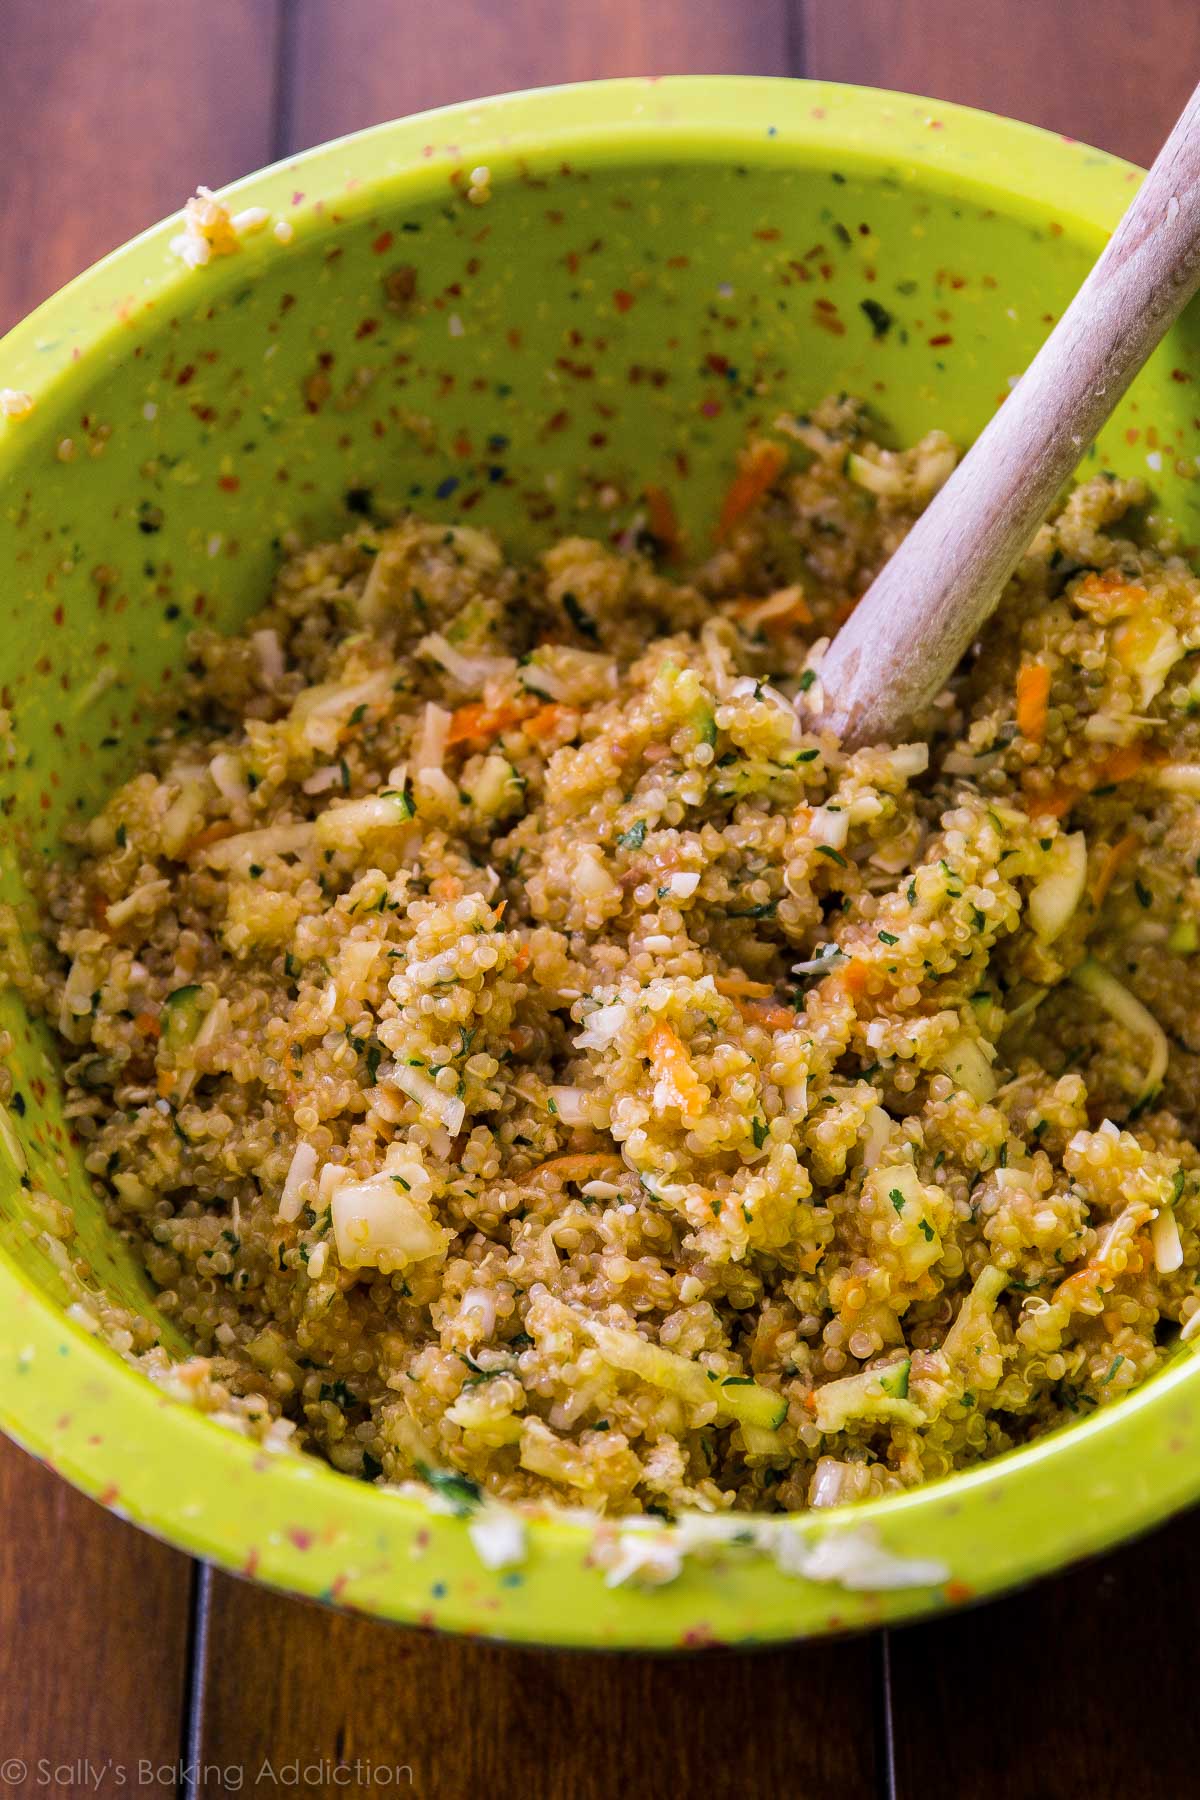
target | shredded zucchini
x=1117, y=1001
x=871, y=1394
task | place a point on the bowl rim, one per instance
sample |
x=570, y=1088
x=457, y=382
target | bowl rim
x=294, y=1523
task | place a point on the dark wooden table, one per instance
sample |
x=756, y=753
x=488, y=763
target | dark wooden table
x=123, y=1665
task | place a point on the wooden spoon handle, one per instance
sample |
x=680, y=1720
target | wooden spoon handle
x=901, y=643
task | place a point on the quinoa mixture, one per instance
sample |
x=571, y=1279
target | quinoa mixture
x=526, y=1051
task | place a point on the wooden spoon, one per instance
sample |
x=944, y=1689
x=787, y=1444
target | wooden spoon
x=907, y=633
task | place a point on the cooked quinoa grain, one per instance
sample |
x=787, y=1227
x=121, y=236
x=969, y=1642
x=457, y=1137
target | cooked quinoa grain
x=526, y=1048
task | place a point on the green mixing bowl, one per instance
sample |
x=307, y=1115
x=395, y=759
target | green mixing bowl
x=653, y=269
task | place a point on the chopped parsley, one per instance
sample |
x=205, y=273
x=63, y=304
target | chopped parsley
x=880, y=317
x=463, y=1494
x=583, y=622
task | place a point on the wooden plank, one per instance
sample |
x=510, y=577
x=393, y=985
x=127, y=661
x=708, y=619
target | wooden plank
x=284, y=1680
x=355, y=65
x=1079, y=1688
x=1023, y=1687
x=287, y=1681
x=105, y=125
x=93, y=1640
x=109, y=116
x=1112, y=75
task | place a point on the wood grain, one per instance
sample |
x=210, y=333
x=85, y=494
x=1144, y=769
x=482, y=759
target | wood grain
x=1055, y=1694
x=353, y=65
x=1078, y=1690
x=93, y=1637
x=104, y=128
x=1113, y=74
x=111, y=114
x=288, y=1681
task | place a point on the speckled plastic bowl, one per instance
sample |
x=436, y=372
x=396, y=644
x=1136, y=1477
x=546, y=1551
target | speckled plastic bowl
x=656, y=268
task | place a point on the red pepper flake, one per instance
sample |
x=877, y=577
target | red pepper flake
x=825, y=315
x=383, y=243
x=943, y=337
x=622, y=299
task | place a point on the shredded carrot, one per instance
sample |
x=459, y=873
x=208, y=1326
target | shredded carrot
x=1117, y=854
x=740, y=987
x=500, y=909
x=1033, y=697
x=212, y=834
x=581, y=1166
x=664, y=525
x=546, y=720
x=671, y=1064
x=478, y=722
x=768, y=1013
x=1121, y=765
x=521, y=960
x=811, y=1260
x=147, y=1024
x=166, y=1083
x=761, y=465
x=851, y=978
x=775, y=615
x=1096, y=585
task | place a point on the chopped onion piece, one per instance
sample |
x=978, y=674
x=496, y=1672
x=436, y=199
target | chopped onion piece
x=599, y=1028
x=829, y=825
x=377, y=1225
x=447, y=1109
x=270, y=656
x=592, y=879
x=965, y=1060
x=471, y=672
x=1164, y=1236
x=832, y=958
x=430, y=748
x=571, y=1104
x=301, y=1169
x=684, y=884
